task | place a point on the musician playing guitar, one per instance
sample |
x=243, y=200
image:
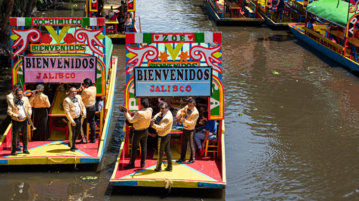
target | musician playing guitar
x=188, y=116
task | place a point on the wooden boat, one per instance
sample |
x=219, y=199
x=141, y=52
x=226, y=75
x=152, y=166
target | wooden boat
x=175, y=51
x=113, y=30
x=290, y=13
x=333, y=35
x=51, y=40
x=224, y=12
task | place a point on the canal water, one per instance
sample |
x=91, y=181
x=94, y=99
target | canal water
x=291, y=121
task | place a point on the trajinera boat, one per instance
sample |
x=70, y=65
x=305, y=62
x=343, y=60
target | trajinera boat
x=279, y=13
x=188, y=56
x=331, y=28
x=59, y=52
x=239, y=12
x=119, y=18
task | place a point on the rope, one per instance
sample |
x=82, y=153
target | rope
x=168, y=184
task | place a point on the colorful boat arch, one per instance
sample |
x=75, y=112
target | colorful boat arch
x=177, y=50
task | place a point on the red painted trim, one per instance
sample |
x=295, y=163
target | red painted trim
x=130, y=38
x=217, y=37
x=13, y=21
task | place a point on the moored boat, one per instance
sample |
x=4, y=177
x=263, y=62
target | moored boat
x=58, y=53
x=119, y=18
x=278, y=16
x=225, y=12
x=331, y=30
x=182, y=53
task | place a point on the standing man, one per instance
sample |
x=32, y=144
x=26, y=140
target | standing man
x=19, y=113
x=88, y=96
x=74, y=110
x=40, y=102
x=162, y=123
x=188, y=116
x=141, y=122
x=10, y=102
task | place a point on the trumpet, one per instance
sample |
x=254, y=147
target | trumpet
x=30, y=92
x=30, y=120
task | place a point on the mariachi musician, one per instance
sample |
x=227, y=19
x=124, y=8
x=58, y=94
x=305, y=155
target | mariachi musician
x=88, y=96
x=10, y=102
x=74, y=110
x=20, y=112
x=40, y=104
x=188, y=116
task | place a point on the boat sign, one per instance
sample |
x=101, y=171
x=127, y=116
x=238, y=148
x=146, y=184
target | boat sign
x=59, y=69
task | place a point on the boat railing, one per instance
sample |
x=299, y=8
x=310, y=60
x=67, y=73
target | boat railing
x=324, y=41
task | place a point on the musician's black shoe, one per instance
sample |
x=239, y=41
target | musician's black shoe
x=129, y=166
x=190, y=161
x=13, y=153
x=169, y=169
x=26, y=152
x=180, y=160
x=73, y=149
x=158, y=169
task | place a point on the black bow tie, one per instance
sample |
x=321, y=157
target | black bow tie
x=19, y=102
x=74, y=100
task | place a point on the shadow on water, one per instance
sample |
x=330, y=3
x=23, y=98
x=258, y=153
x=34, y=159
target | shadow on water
x=175, y=193
x=276, y=37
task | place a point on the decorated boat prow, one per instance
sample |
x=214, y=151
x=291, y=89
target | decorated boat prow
x=331, y=29
x=175, y=67
x=225, y=12
x=60, y=53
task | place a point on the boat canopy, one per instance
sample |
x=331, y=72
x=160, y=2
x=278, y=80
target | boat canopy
x=332, y=10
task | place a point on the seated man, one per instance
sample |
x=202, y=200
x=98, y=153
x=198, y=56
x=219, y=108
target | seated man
x=200, y=136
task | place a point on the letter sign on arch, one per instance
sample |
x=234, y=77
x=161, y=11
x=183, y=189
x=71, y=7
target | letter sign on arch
x=351, y=25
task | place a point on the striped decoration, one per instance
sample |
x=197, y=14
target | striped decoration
x=84, y=21
x=204, y=37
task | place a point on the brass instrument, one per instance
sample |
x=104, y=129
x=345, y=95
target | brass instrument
x=29, y=93
x=30, y=120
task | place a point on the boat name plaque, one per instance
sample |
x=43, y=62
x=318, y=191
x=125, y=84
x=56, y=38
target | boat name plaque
x=64, y=69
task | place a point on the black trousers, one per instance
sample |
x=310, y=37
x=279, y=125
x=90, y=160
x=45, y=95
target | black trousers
x=18, y=126
x=76, y=131
x=90, y=118
x=164, y=146
x=187, y=139
x=41, y=123
x=139, y=137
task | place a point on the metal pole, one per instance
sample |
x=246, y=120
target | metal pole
x=139, y=22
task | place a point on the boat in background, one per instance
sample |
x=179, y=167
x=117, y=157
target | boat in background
x=200, y=54
x=115, y=29
x=290, y=14
x=225, y=12
x=331, y=29
x=68, y=50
